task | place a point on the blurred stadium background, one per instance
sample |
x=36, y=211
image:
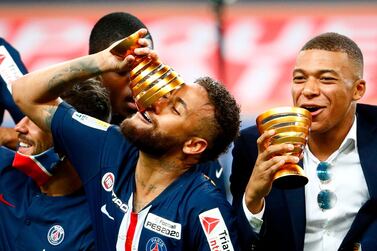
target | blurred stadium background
x=248, y=45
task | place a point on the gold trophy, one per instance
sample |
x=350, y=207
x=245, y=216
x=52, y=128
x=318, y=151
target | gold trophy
x=150, y=78
x=291, y=125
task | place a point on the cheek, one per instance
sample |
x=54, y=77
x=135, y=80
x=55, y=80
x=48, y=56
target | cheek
x=295, y=92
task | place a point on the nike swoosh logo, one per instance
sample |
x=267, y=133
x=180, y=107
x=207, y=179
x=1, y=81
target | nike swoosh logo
x=5, y=202
x=104, y=211
x=219, y=172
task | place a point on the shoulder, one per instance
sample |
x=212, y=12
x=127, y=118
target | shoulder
x=248, y=133
x=365, y=109
x=246, y=142
x=366, y=114
x=205, y=195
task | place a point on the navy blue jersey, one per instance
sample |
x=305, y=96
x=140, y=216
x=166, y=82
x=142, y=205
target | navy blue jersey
x=30, y=220
x=11, y=68
x=190, y=214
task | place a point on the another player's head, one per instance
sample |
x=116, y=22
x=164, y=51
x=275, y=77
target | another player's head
x=87, y=97
x=109, y=29
x=198, y=122
x=327, y=80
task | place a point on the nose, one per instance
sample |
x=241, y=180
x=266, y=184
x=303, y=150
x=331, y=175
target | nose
x=311, y=88
x=159, y=105
x=21, y=126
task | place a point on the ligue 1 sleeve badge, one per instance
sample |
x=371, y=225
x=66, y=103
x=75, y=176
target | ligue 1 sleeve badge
x=55, y=235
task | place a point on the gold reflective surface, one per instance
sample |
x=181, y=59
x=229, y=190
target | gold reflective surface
x=291, y=125
x=150, y=79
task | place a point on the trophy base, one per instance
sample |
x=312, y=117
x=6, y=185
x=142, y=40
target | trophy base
x=290, y=176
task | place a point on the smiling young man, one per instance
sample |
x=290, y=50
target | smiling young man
x=48, y=210
x=334, y=209
x=140, y=181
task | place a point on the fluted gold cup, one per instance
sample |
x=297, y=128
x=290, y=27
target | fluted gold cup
x=291, y=125
x=150, y=79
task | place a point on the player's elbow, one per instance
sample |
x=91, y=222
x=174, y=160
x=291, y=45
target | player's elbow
x=18, y=95
x=21, y=94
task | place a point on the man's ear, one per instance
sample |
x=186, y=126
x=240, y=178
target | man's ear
x=194, y=145
x=359, y=89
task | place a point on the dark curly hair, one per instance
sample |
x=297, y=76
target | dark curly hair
x=332, y=41
x=226, y=124
x=89, y=97
x=113, y=27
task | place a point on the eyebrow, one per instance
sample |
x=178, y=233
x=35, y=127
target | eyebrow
x=320, y=71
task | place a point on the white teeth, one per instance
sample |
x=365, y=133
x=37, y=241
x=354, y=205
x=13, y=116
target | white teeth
x=22, y=144
x=146, y=116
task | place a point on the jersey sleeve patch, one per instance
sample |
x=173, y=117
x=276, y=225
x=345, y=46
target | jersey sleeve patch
x=9, y=70
x=215, y=229
x=90, y=121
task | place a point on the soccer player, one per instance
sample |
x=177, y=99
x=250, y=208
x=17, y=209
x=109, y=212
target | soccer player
x=139, y=179
x=48, y=210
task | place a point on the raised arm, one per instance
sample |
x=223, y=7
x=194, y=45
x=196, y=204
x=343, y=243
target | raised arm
x=37, y=93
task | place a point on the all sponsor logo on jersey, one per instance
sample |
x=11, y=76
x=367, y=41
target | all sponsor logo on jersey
x=163, y=226
x=90, y=121
x=108, y=181
x=55, y=235
x=119, y=203
x=215, y=230
x=155, y=244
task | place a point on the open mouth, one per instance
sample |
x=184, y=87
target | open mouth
x=311, y=109
x=23, y=145
x=146, y=116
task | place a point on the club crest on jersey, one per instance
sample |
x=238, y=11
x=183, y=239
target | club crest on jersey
x=108, y=181
x=215, y=230
x=90, y=121
x=55, y=235
x=155, y=244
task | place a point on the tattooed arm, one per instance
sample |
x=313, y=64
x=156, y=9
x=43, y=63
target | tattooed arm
x=37, y=93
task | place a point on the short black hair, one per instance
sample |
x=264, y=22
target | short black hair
x=89, y=97
x=113, y=27
x=332, y=41
x=226, y=125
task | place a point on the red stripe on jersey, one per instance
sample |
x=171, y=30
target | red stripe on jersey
x=131, y=232
x=28, y=165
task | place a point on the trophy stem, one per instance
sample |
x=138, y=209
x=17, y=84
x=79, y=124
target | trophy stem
x=290, y=176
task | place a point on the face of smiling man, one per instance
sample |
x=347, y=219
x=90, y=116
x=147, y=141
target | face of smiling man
x=326, y=83
x=170, y=122
x=32, y=140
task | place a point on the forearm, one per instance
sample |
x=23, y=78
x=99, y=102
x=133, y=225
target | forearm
x=8, y=137
x=37, y=93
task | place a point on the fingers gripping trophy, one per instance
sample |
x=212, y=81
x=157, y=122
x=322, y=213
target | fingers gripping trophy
x=150, y=79
x=291, y=125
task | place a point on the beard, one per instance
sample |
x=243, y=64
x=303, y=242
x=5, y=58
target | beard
x=150, y=140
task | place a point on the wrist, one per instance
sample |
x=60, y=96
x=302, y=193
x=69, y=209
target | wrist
x=254, y=203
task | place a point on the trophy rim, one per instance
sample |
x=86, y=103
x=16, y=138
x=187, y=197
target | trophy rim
x=283, y=109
